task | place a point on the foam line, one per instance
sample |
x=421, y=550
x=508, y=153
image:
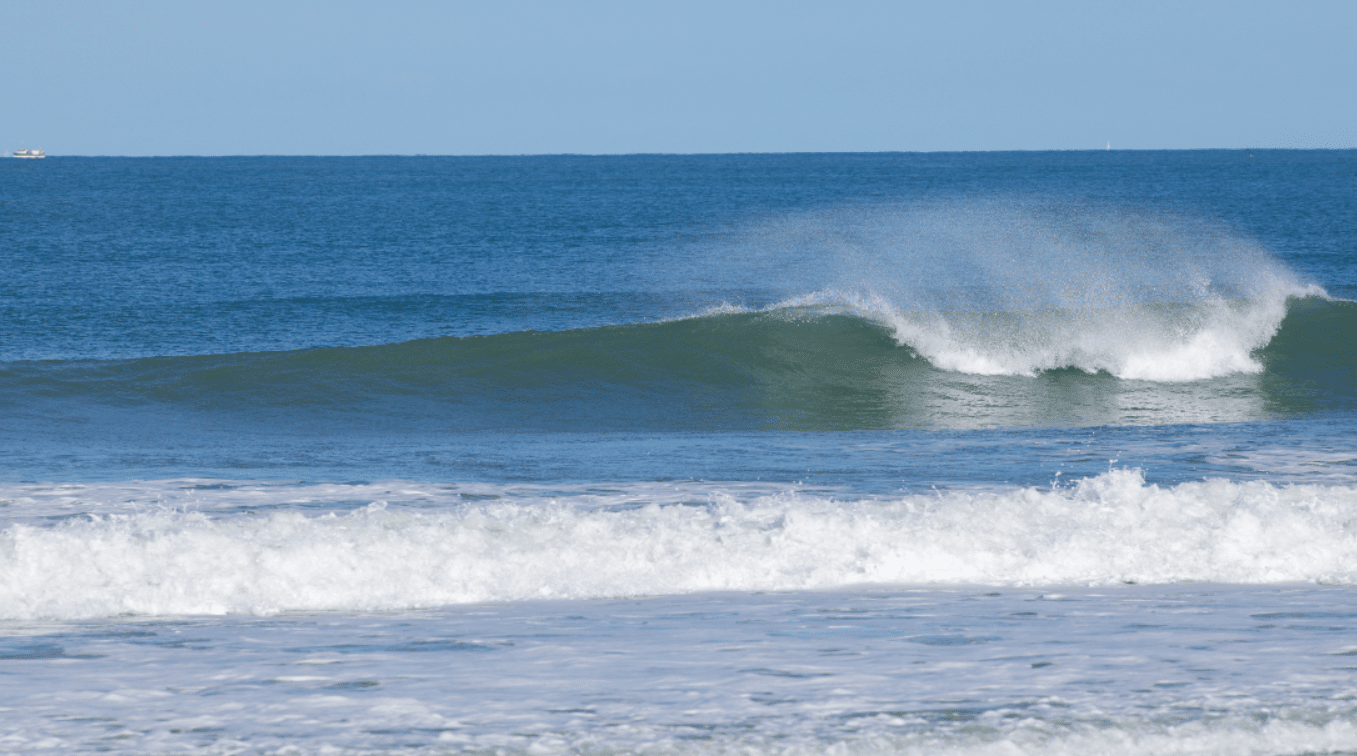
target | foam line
x=1108, y=529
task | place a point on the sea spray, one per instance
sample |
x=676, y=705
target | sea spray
x=1016, y=286
x=1009, y=253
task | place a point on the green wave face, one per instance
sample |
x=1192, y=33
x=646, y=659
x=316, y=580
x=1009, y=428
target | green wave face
x=798, y=367
x=1311, y=364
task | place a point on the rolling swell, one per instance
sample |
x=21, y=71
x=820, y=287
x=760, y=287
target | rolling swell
x=812, y=366
x=726, y=367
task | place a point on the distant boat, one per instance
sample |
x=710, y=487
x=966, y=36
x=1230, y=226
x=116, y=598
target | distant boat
x=38, y=153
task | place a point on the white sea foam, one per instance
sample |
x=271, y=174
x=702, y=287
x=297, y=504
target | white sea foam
x=1165, y=343
x=1109, y=529
x=1207, y=340
x=1133, y=670
x=1041, y=738
x=1017, y=287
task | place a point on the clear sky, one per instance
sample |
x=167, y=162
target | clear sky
x=329, y=77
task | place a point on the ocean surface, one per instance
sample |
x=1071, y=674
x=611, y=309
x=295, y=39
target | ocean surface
x=971, y=453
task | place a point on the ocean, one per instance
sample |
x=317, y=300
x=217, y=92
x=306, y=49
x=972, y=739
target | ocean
x=945, y=453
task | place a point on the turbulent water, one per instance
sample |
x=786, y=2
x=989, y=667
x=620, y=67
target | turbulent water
x=1034, y=453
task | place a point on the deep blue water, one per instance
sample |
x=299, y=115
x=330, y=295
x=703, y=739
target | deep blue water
x=514, y=318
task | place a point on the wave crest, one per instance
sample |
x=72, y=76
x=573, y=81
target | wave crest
x=1018, y=286
x=1163, y=342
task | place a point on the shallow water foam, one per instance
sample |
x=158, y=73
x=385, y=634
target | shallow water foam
x=1109, y=529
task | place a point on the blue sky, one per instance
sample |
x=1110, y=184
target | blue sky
x=513, y=77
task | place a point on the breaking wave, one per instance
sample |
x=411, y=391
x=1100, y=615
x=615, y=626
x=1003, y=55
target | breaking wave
x=823, y=362
x=1109, y=529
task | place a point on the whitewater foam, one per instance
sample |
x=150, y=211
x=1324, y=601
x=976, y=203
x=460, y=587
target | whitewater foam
x=1113, y=528
x=1153, y=343
x=1162, y=343
x=1127, y=670
x=1017, y=287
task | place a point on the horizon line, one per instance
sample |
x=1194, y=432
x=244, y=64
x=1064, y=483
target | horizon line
x=703, y=154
